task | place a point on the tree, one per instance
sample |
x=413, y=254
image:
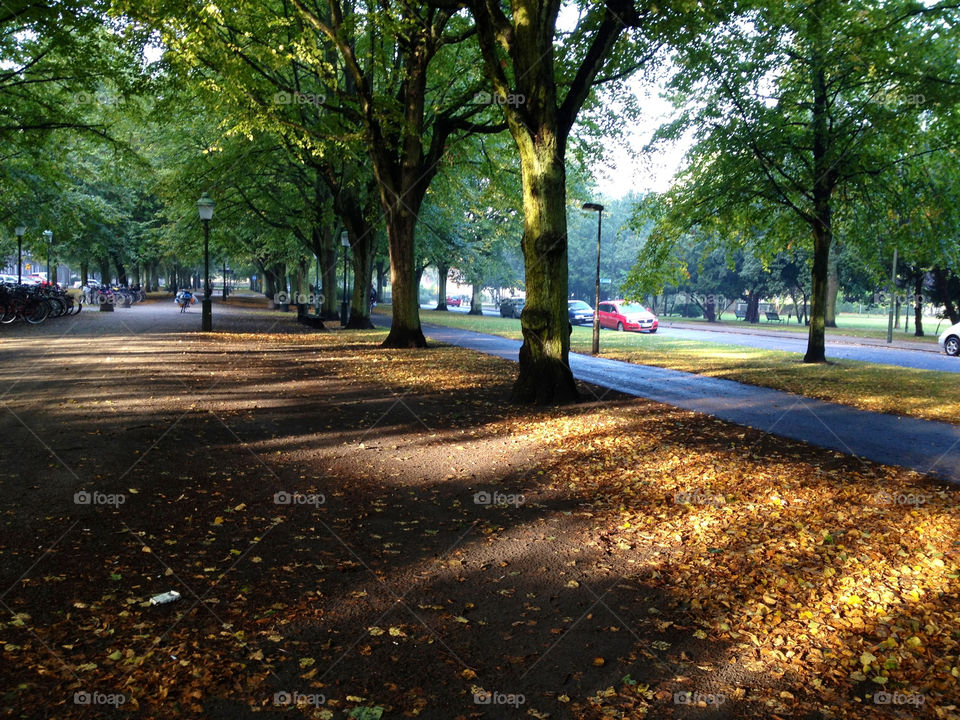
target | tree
x=795, y=104
x=541, y=86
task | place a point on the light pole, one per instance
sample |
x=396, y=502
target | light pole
x=596, y=296
x=893, y=290
x=205, y=209
x=48, y=236
x=344, y=304
x=224, y=278
x=20, y=230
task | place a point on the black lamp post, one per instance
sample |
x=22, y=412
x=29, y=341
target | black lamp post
x=224, y=278
x=596, y=302
x=20, y=230
x=344, y=304
x=48, y=236
x=205, y=209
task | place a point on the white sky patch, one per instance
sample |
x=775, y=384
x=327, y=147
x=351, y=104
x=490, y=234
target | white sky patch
x=625, y=168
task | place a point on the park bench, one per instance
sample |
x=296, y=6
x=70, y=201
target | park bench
x=741, y=314
x=774, y=317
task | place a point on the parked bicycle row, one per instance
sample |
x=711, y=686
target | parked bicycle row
x=35, y=303
x=94, y=294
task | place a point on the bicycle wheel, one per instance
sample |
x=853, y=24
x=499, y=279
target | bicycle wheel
x=8, y=313
x=57, y=306
x=36, y=311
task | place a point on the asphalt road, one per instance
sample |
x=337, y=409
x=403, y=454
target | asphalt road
x=932, y=358
x=921, y=445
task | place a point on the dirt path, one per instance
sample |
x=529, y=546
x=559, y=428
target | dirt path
x=361, y=531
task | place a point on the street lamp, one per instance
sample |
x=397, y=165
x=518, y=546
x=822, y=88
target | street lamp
x=224, y=278
x=205, y=209
x=48, y=236
x=344, y=304
x=20, y=230
x=596, y=301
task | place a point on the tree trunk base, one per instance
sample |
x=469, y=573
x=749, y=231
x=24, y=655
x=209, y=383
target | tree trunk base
x=475, y=310
x=814, y=356
x=358, y=322
x=441, y=307
x=543, y=381
x=405, y=338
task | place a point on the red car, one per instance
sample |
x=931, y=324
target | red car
x=453, y=301
x=622, y=315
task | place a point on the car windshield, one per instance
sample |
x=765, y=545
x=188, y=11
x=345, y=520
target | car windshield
x=632, y=308
x=579, y=305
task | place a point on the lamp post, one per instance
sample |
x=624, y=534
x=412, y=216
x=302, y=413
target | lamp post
x=596, y=296
x=205, y=209
x=344, y=304
x=20, y=230
x=224, y=278
x=48, y=236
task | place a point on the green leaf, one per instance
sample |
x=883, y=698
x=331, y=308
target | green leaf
x=374, y=713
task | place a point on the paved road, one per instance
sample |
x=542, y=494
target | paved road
x=932, y=358
x=921, y=356
x=921, y=445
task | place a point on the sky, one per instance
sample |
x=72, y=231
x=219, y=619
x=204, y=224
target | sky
x=624, y=171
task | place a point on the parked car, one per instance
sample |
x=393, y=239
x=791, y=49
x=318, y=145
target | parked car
x=622, y=315
x=579, y=312
x=950, y=340
x=12, y=279
x=453, y=301
x=512, y=307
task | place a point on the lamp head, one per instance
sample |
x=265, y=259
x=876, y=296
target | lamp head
x=593, y=206
x=20, y=230
x=205, y=207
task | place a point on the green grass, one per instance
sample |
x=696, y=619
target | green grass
x=850, y=325
x=880, y=388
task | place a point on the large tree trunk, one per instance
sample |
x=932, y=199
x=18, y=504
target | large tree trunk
x=710, y=309
x=328, y=275
x=941, y=287
x=816, y=347
x=442, y=272
x=84, y=272
x=545, y=375
x=823, y=183
x=833, y=288
x=753, y=308
x=380, y=273
x=405, y=331
x=105, y=271
x=362, y=245
x=476, y=299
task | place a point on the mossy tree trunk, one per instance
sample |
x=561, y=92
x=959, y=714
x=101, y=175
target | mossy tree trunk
x=517, y=43
x=545, y=375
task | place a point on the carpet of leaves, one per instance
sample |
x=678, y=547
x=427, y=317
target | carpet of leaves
x=800, y=582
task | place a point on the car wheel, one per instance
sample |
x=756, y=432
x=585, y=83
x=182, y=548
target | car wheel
x=653, y=330
x=952, y=346
x=619, y=327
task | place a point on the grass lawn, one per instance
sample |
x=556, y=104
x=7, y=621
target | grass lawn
x=879, y=388
x=850, y=325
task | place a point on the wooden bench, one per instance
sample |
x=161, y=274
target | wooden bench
x=774, y=317
x=741, y=314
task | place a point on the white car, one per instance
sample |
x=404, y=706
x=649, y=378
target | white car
x=950, y=340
